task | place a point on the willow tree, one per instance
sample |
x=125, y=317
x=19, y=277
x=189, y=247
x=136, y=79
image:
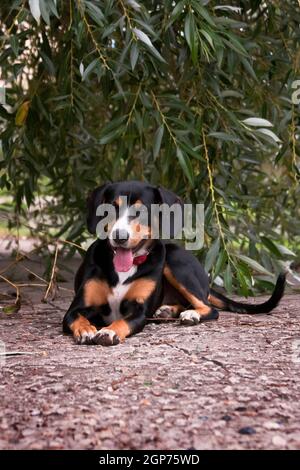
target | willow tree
x=195, y=95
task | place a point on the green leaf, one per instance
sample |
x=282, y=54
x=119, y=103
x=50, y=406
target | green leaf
x=22, y=113
x=224, y=136
x=235, y=44
x=228, y=279
x=48, y=64
x=186, y=166
x=248, y=67
x=112, y=130
x=34, y=6
x=52, y=7
x=208, y=37
x=242, y=282
x=14, y=42
x=212, y=255
x=114, y=123
x=95, y=13
x=177, y=9
x=285, y=251
x=143, y=37
x=157, y=140
x=113, y=135
x=269, y=133
x=134, y=55
x=13, y=308
x=145, y=100
x=147, y=41
x=271, y=246
x=45, y=11
x=253, y=264
x=228, y=8
x=257, y=122
x=86, y=72
x=203, y=12
x=190, y=33
x=135, y=5
x=221, y=261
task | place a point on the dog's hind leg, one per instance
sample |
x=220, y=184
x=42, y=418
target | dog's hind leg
x=197, y=308
x=168, y=311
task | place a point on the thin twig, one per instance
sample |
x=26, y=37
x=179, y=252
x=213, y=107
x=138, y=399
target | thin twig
x=133, y=107
x=15, y=286
x=167, y=319
x=53, y=273
x=71, y=243
x=42, y=279
x=17, y=353
x=214, y=203
x=34, y=274
x=126, y=14
x=89, y=29
x=31, y=284
x=7, y=33
x=294, y=152
x=164, y=120
x=71, y=58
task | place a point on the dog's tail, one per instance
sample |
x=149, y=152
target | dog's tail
x=223, y=303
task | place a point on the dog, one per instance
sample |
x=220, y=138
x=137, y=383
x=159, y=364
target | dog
x=129, y=276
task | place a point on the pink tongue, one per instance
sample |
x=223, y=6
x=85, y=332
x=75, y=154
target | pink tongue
x=123, y=260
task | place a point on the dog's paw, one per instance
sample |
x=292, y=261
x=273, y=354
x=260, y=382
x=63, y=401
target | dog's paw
x=189, y=317
x=85, y=336
x=165, y=311
x=106, y=337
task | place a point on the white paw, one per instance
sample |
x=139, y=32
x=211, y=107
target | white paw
x=106, y=337
x=85, y=337
x=189, y=317
x=164, y=311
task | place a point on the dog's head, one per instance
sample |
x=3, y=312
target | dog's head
x=125, y=212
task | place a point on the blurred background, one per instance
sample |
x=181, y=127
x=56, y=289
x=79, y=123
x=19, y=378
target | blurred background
x=192, y=95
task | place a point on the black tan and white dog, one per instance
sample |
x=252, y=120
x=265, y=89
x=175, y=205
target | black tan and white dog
x=130, y=276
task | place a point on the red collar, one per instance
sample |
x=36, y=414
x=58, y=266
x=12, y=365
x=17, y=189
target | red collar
x=140, y=259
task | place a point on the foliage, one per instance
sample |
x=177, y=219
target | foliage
x=194, y=95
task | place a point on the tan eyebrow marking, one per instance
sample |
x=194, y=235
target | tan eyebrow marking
x=119, y=201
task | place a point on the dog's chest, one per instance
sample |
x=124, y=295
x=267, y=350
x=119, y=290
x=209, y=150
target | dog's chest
x=117, y=295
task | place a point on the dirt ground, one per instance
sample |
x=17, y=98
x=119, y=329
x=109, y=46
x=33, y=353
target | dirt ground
x=229, y=384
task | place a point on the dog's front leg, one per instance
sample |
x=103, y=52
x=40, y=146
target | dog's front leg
x=134, y=321
x=133, y=310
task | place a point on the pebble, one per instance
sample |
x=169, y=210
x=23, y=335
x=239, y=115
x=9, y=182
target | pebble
x=226, y=418
x=241, y=408
x=278, y=441
x=271, y=425
x=247, y=430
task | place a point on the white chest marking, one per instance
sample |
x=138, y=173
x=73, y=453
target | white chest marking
x=117, y=295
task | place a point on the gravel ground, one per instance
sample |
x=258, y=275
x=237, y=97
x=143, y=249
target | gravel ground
x=229, y=384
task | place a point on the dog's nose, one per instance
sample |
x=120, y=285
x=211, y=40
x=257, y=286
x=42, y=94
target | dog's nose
x=120, y=236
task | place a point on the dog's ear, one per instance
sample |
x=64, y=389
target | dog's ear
x=165, y=196
x=95, y=198
x=168, y=197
